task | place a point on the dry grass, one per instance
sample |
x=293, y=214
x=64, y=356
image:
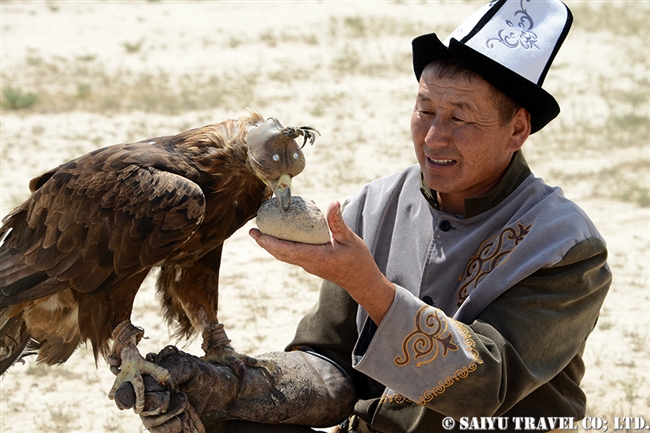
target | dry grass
x=345, y=70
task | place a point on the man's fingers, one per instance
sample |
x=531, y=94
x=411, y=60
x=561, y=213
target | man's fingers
x=262, y=240
x=340, y=230
x=255, y=233
x=279, y=249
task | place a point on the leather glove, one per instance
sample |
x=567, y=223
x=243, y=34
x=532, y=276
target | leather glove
x=305, y=389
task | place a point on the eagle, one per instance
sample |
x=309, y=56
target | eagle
x=74, y=254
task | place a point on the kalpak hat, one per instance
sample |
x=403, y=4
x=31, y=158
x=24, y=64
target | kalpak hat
x=511, y=45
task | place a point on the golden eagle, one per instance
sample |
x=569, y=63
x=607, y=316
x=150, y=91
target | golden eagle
x=73, y=255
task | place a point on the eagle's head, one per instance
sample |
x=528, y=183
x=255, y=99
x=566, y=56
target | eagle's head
x=275, y=156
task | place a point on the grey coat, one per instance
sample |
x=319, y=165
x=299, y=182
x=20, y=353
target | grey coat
x=492, y=309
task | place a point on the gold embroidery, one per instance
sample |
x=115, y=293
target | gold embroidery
x=394, y=398
x=430, y=335
x=459, y=374
x=491, y=254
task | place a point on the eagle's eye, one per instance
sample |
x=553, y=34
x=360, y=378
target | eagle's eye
x=276, y=157
x=295, y=155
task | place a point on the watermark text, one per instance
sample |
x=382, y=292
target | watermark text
x=523, y=423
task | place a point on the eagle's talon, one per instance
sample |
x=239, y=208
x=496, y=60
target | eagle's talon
x=133, y=367
x=226, y=355
x=217, y=348
x=237, y=365
x=128, y=365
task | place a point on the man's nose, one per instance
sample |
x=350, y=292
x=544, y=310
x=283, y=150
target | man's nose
x=438, y=134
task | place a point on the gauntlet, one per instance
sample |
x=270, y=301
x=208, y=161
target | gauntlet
x=304, y=389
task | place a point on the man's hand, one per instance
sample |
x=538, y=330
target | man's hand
x=346, y=261
x=305, y=390
x=197, y=387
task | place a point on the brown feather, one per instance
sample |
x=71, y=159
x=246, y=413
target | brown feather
x=13, y=338
x=75, y=253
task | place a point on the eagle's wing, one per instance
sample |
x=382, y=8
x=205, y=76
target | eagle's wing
x=95, y=221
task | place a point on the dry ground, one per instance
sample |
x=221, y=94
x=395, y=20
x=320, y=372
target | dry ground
x=80, y=75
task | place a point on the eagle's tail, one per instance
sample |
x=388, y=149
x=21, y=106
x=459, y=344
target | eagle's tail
x=13, y=340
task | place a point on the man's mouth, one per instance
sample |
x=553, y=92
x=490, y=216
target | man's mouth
x=440, y=161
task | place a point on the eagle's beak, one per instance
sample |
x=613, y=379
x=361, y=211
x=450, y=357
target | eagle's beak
x=282, y=190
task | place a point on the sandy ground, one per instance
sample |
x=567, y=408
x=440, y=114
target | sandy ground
x=343, y=68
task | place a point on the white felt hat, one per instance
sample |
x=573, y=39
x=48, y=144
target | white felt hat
x=511, y=44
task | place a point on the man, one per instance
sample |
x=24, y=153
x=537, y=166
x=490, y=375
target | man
x=460, y=287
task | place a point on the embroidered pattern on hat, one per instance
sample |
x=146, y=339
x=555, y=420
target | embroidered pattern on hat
x=519, y=34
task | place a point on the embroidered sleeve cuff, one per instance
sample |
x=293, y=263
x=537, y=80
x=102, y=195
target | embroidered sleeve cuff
x=417, y=351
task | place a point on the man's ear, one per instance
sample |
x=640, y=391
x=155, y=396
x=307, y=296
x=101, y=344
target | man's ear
x=520, y=127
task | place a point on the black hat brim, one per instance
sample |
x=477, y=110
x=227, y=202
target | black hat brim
x=538, y=102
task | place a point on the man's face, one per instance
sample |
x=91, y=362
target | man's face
x=462, y=148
